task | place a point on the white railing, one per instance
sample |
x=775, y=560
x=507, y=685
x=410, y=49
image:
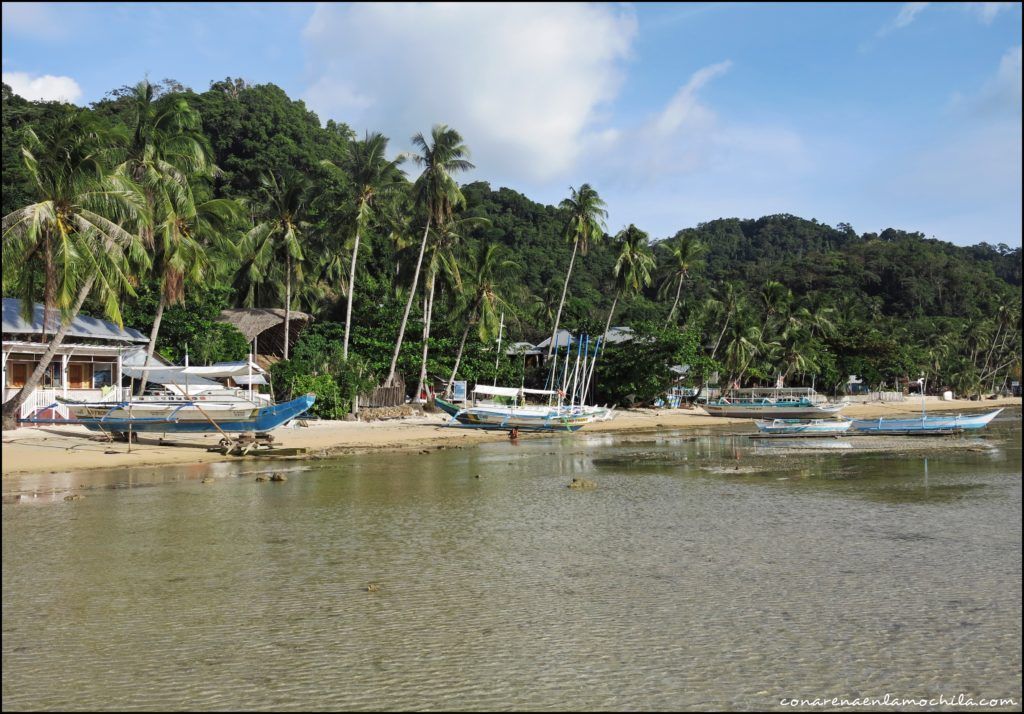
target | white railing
x=47, y=399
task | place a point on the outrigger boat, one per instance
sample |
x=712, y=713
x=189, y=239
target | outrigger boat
x=939, y=424
x=773, y=403
x=802, y=427
x=519, y=416
x=188, y=402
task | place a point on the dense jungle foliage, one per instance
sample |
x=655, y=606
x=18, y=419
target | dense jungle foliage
x=159, y=206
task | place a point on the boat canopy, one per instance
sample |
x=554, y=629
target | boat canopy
x=507, y=391
x=195, y=375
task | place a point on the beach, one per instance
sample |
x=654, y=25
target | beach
x=69, y=448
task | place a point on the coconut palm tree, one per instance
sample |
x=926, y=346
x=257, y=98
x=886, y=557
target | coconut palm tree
x=82, y=233
x=373, y=175
x=272, y=249
x=484, y=303
x=632, y=268
x=442, y=260
x=436, y=191
x=685, y=255
x=726, y=302
x=181, y=239
x=586, y=225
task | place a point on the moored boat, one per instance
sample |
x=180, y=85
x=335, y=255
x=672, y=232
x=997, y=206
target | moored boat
x=936, y=424
x=797, y=427
x=779, y=403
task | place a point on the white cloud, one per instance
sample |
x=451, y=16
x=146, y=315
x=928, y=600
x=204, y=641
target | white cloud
x=46, y=87
x=907, y=14
x=987, y=11
x=1001, y=94
x=525, y=85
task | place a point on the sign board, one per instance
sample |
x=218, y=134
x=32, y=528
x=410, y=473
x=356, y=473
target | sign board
x=459, y=391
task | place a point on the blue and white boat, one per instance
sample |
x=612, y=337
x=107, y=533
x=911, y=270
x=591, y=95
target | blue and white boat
x=190, y=402
x=516, y=415
x=923, y=424
x=773, y=403
x=803, y=427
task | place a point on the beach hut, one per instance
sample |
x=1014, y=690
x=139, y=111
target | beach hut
x=263, y=327
x=87, y=366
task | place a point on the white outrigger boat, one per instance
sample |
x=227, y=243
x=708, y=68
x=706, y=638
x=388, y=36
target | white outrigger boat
x=773, y=403
x=518, y=415
x=804, y=427
x=189, y=402
x=937, y=424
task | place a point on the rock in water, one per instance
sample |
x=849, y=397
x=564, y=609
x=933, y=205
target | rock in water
x=581, y=483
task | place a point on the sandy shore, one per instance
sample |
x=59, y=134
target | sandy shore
x=60, y=449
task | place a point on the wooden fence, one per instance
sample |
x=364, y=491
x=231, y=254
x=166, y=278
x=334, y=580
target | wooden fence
x=385, y=396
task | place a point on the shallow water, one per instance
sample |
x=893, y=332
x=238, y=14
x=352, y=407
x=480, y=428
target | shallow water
x=705, y=571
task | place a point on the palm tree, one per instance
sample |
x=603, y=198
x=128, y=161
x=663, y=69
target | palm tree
x=632, y=268
x=484, y=302
x=586, y=224
x=373, y=175
x=774, y=297
x=442, y=260
x=181, y=239
x=77, y=236
x=727, y=302
x=685, y=254
x=273, y=247
x=439, y=195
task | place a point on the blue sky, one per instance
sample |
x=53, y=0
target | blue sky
x=904, y=114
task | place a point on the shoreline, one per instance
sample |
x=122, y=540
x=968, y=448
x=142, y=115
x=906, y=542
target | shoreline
x=31, y=451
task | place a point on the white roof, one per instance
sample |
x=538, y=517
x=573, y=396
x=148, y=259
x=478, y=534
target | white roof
x=82, y=326
x=507, y=391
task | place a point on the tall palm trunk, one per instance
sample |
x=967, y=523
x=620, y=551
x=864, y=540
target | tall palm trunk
x=12, y=407
x=408, y=304
x=152, y=340
x=462, y=346
x=721, y=335
x=428, y=314
x=675, y=304
x=608, y=322
x=558, y=316
x=287, y=303
x=351, y=295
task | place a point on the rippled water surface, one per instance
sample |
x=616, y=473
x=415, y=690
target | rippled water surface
x=705, y=570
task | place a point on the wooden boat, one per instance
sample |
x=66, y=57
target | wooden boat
x=518, y=416
x=758, y=403
x=938, y=424
x=802, y=427
x=187, y=414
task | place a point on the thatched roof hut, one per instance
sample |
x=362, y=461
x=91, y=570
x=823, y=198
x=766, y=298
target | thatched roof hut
x=266, y=326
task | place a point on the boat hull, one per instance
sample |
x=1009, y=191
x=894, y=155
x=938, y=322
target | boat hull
x=794, y=427
x=771, y=411
x=926, y=424
x=186, y=419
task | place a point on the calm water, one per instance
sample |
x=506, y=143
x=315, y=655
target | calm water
x=704, y=571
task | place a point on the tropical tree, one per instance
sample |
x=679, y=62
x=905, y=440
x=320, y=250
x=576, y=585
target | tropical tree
x=373, y=175
x=272, y=249
x=180, y=242
x=437, y=193
x=483, y=303
x=632, y=267
x=585, y=225
x=685, y=255
x=80, y=234
x=442, y=261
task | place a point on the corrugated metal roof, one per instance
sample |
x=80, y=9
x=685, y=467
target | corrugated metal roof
x=84, y=327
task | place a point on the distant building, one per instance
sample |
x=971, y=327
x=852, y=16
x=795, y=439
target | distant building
x=88, y=364
x=263, y=327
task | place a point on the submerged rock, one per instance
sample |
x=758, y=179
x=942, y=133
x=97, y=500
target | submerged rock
x=581, y=484
x=373, y=587
x=74, y=497
x=261, y=478
x=278, y=477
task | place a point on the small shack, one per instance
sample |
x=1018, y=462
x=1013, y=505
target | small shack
x=263, y=327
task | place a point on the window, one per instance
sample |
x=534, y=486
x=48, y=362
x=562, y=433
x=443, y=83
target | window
x=17, y=373
x=102, y=376
x=51, y=378
x=80, y=375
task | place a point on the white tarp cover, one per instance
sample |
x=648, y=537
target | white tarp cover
x=507, y=391
x=246, y=380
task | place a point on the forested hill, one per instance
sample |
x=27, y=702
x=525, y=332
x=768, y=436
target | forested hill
x=762, y=296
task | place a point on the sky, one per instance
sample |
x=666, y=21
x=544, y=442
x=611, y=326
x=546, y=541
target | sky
x=904, y=115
